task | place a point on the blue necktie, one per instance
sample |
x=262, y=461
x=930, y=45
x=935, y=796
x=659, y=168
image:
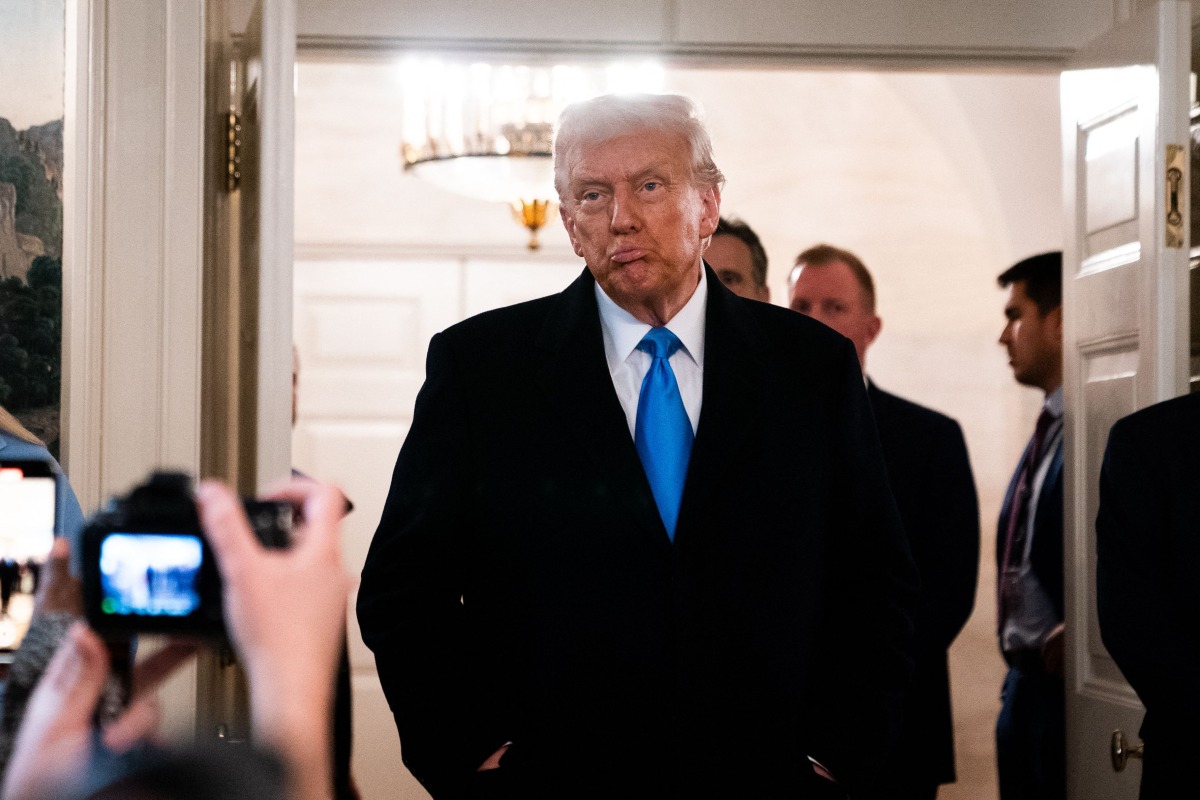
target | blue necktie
x=663, y=433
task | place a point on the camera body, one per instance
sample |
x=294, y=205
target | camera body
x=148, y=568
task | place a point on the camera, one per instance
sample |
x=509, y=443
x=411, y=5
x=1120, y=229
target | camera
x=148, y=568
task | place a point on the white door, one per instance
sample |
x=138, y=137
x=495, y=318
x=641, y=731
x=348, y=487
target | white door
x=1125, y=136
x=362, y=330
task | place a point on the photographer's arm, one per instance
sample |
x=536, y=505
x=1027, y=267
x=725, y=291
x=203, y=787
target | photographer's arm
x=284, y=610
x=54, y=743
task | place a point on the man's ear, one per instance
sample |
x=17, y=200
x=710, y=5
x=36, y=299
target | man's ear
x=710, y=213
x=873, y=329
x=568, y=222
x=1055, y=319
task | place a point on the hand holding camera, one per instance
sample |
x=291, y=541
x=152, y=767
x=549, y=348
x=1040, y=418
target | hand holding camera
x=282, y=602
x=283, y=610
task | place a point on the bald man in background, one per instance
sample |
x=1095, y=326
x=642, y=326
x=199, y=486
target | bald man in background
x=931, y=479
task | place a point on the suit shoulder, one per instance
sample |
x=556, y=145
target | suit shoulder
x=783, y=326
x=914, y=414
x=1172, y=426
x=1179, y=413
x=489, y=329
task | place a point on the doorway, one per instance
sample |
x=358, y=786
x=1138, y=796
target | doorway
x=938, y=181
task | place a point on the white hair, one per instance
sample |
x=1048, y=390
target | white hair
x=611, y=115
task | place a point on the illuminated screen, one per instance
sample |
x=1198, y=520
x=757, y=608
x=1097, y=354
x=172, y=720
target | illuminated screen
x=150, y=574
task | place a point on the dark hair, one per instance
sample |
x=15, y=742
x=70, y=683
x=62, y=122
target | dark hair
x=743, y=232
x=1043, y=279
x=824, y=254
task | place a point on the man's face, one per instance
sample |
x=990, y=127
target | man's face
x=734, y=265
x=1033, y=340
x=634, y=215
x=831, y=294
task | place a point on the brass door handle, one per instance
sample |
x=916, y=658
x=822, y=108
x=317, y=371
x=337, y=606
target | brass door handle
x=1122, y=752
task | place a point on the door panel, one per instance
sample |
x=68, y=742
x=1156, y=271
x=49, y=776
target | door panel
x=1125, y=100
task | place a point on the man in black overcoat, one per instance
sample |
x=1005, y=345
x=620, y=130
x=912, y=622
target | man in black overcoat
x=612, y=562
x=1148, y=546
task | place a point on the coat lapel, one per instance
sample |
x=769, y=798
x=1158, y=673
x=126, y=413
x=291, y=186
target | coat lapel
x=736, y=352
x=576, y=380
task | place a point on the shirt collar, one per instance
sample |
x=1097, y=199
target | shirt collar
x=1054, y=403
x=622, y=331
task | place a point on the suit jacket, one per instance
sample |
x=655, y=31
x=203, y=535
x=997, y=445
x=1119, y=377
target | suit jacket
x=1148, y=548
x=930, y=475
x=1046, y=550
x=521, y=586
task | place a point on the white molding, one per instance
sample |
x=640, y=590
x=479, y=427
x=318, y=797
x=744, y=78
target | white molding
x=276, y=239
x=83, y=143
x=388, y=251
x=132, y=213
x=862, y=57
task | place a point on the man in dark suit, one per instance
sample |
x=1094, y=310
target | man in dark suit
x=737, y=256
x=1148, y=546
x=607, y=571
x=1030, y=732
x=930, y=475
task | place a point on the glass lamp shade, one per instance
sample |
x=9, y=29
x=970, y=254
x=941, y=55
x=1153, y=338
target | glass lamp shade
x=493, y=177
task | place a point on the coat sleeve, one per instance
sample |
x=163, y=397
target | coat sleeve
x=871, y=586
x=410, y=605
x=1141, y=623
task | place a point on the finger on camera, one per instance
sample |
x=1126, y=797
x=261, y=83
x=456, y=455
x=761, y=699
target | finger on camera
x=136, y=724
x=320, y=505
x=226, y=528
x=58, y=589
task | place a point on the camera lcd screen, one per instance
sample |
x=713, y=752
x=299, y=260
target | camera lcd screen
x=150, y=574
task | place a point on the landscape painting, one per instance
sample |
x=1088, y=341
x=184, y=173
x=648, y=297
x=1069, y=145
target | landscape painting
x=32, y=65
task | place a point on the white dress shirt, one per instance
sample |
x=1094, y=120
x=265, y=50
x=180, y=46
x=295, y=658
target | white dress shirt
x=628, y=366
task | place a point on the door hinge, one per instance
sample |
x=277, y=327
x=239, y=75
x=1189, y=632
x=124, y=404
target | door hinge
x=1176, y=194
x=233, y=150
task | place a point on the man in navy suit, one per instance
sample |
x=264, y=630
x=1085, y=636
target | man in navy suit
x=930, y=475
x=1147, y=547
x=1030, y=732
x=611, y=564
